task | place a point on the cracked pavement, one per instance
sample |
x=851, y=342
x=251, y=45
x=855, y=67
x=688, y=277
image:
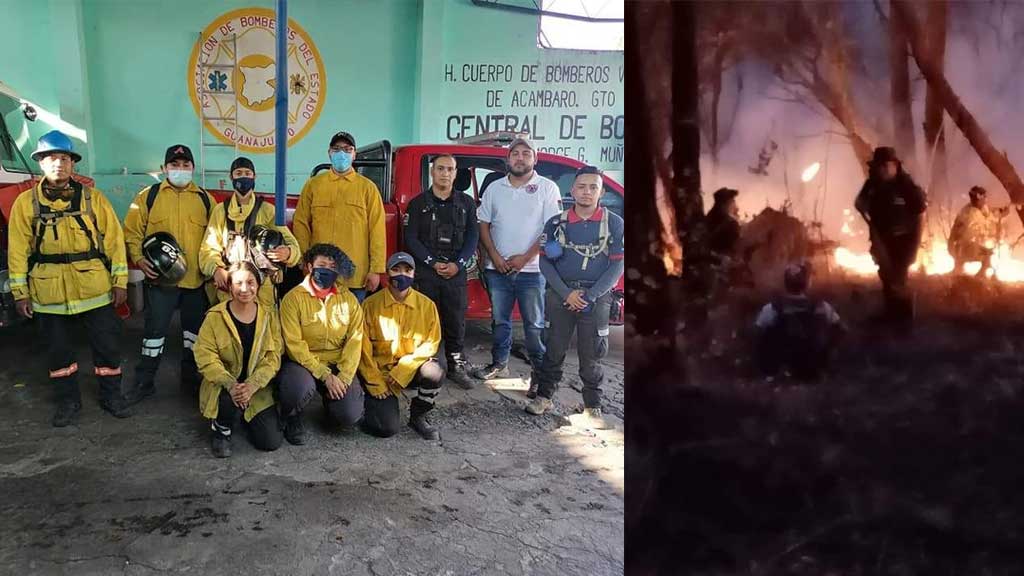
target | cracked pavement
x=503, y=492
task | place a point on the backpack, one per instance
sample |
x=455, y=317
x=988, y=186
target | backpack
x=43, y=217
x=588, y=251
x=250, y=220
x=802, y=334
x=155, y=189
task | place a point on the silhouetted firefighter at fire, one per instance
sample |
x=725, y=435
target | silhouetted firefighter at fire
x=893, y=206
x=975, y=232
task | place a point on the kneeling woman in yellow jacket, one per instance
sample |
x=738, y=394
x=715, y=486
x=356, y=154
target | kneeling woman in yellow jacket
x=323, y=334
x=228, y=232
x=238, y=352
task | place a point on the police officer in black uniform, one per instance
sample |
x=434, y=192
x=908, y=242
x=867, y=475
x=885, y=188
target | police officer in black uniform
x=441, y=233
x=893, y=206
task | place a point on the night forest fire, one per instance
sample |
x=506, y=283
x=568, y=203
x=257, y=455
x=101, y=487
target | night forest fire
x=766, y=122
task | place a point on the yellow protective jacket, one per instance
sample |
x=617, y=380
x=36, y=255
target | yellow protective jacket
x=179, y=213
x=66, y=288
x=319, y=334
x=211, y=254
x=399, y=337
x=974, y=228
x=218, y=352
x=347, y=211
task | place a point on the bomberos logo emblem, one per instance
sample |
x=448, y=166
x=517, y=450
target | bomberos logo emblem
x=233, y=82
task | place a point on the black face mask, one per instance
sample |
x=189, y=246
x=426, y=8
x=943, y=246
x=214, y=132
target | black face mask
x=243, y=185
x=324, y=277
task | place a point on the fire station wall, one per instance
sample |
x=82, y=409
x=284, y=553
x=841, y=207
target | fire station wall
x=394, y=70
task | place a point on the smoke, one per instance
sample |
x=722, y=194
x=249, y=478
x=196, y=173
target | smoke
x=984, y=49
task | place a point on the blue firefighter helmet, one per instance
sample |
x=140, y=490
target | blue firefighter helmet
x=55, y=141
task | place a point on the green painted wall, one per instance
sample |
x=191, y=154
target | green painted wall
x=385, y=64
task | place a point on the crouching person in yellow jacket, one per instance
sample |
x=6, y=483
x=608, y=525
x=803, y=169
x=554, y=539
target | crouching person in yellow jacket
x=67, y=264
x=229, y=231
x=323, y=335
x=401, y=336
x=238, y=352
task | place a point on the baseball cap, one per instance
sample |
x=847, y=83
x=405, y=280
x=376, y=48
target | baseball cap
x=399, y=258
x=522, y=141
x=242, y=162
x=343, y=136
x=178, y=152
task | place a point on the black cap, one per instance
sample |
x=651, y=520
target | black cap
x=242, y=162
x=723, y=194
x=178, y=152
x=343, y=136
x=884, y=154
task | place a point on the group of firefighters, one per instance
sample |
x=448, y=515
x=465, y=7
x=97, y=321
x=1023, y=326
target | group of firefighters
x=796, y=332
x=358, y=330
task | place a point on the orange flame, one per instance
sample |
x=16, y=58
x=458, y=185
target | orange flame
x=934, y=259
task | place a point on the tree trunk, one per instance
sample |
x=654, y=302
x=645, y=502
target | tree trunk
x=716, y=97
x=996, y=161
x=833, y=89
x=934, y=134
x=645, y=269
x=686, y=166
x=899, y=69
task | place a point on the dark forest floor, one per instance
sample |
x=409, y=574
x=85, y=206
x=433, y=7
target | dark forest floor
x=908, y=458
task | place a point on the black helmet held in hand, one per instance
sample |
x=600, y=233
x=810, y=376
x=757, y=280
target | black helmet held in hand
x=263, y=239
x=165, y=255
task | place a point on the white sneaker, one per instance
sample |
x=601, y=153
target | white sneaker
x=595, y=420
x=539, y=405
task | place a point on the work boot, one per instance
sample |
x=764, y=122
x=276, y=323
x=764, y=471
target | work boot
x=422, y=426
x=457, y=373
x=595, y=420
x=220, y=444
x=116, y=407
x=66, y=413
x=295, y=430
x=140, y=392
x=539, y=405
x=531, y=393
x=491, y=371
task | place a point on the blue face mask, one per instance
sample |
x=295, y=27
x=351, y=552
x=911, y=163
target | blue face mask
x=243, y=185
x=324, y=277
x=401, y=282
x=341, y=160
x=179, y=178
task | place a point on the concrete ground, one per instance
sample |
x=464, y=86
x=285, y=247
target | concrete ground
x=503, y=492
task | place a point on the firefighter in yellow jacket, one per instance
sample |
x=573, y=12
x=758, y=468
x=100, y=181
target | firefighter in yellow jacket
x=67, y=264
x=975, y=232
x=228, y=233
x=344, y=208
x=323, y=335
x=182, y=209
x=238, y=353
x=401, y=337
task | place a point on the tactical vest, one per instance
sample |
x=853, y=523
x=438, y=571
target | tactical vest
x=43, y=218
x=444, y=239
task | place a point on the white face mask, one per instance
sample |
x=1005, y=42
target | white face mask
x=179, y=178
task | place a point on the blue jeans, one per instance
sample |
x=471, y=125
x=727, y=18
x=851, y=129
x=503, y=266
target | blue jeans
x=505, y=290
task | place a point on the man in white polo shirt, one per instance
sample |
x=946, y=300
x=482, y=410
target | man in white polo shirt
x=512, y=216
